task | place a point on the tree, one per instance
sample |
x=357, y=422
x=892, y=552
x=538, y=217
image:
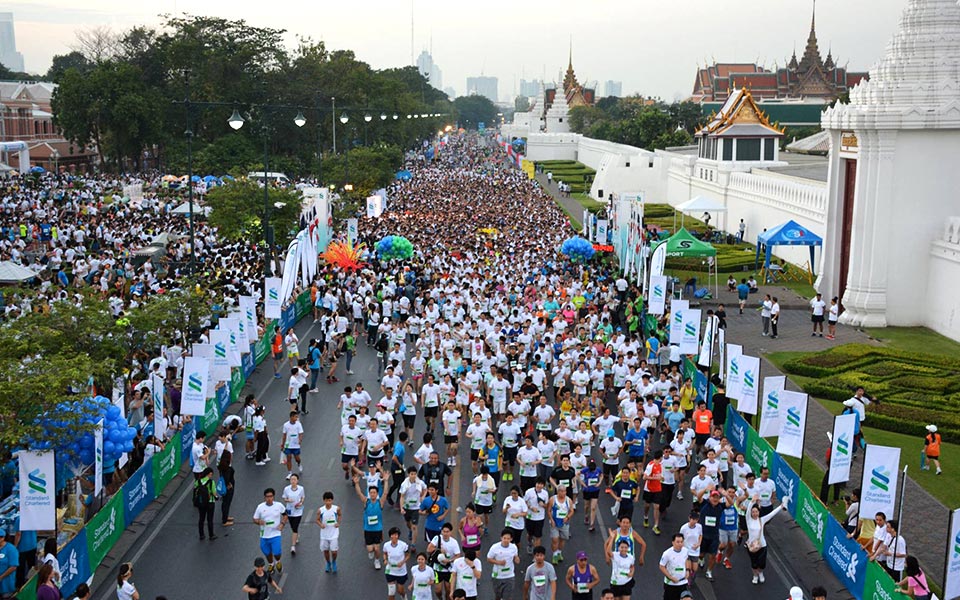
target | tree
x=63, y=62
x=238, y=211
x=521, y=104
x=583, y=118
x=97, y=44
x=473, y=110
x=370, y=168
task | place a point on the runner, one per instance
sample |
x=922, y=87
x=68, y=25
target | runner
x=257, y=585
x=540, y=579
x=652, y=490
x=372, y=519
x=423, y=578
x=329, y=518
x=692, y=533
x=412, y=492
x=591, y=478
x=621, y=571
x=581, y=578
x=291, y=441
x=484, y=494
x=673, y=565
x=560, y=508
x=443, y=550
x=271, y=517
x=396, y=553
x=436, y=508
x=504, y=557
x=293, y=497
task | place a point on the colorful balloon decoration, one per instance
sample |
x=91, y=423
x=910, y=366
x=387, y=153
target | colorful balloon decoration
x=394, y=247
x=345, y=255
x=577, y=249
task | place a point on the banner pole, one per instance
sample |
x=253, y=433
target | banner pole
x=903, y=487
x=946, y=555
x=863, y=479
x=803, y=453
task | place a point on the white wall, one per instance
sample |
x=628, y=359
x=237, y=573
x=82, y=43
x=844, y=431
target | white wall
x=943, y=282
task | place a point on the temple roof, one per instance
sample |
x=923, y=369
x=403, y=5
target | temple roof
x=739, y=116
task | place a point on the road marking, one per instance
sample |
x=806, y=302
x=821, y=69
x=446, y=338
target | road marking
x=330, y=463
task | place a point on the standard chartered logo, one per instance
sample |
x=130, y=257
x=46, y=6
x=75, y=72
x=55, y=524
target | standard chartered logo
x=734, y=367
x=103, y=532
x=843, y=444
x=748, y=379
x=690, y=329
x=220, y=350
x=852, y=566
x=773, y=400
x=880, y=478
x=195, y=383
x=37, y=482
x=956, y=546
x=233, y=338
x=678, y=317
x=273, y=294
x=658, y=291
x=793, y=416
x=72, y=569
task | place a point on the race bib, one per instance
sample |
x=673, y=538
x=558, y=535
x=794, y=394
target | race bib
x=582, y=588
x=626, y=494
x=710, y=521
x=472, y=540
x=373, y=520
x=593, y=481
x=539, y=580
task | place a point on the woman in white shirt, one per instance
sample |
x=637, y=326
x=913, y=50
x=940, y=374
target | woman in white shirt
x=621, y=571
x=756, y=541
x=125, y=589
x=293, y=498
x=50, y=558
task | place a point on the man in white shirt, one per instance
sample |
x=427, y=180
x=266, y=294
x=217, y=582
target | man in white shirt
x=199, y=454
x=503, y=556
x=817, y=308
x=290, y=442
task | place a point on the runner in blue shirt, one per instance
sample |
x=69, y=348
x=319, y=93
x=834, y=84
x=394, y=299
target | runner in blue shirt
x=636, y=440
x=435, y=507
x=372, y=520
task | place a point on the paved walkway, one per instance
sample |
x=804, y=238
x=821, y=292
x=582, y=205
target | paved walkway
x=573, y=208
x=925, y=530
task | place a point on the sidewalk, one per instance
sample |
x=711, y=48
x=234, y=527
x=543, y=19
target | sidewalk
x=573, y=208
x=924, y=526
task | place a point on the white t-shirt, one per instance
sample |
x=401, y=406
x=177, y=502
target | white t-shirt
x=477, y=432
x=375, y=439
x=691, y=537
x=126, y=591
x=272, y=517
x=451, y=422
x=676, y=563
x=351, y=440
x=533, y=498
x=422, y=584
x=620, y=568
x=294, y=499
x=395, y=558
x=293, y=431
x=515, y=510
x=610, y=449
x=817, y=305
x=498, y=552
x=328, y=516
x=411, y=492
x=465, y=574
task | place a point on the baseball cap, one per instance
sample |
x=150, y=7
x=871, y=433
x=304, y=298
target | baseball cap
x=932, y=428
x=581, y=555
x=714, y=493
x=259, y=562
x=796, y=593
x=611, y=433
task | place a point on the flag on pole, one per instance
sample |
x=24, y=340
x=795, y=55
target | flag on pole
x=749, y=383
x=793, y=423
x=98, y=459
x=841, y=447
x=193, y=400
x=770, y=409
x=38, y=509
x=272, y=303
x=881, y=468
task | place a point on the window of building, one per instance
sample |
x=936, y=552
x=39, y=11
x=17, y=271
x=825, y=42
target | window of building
x=769, y=145
x=728, y=149
x=748, y=149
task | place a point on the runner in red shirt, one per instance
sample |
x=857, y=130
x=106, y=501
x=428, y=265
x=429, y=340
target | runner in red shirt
x=652, y=488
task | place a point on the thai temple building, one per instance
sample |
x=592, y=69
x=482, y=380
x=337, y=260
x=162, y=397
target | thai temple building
x=811, y=77
x=551, y=105
x=883, y=198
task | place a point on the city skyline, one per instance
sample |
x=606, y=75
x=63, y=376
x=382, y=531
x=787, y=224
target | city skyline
x=623, y=47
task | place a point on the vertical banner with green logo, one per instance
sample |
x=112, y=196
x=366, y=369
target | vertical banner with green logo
x=166, y=464
x=104, y=529
x=211, y=418
x=37, y=489
x=812, y=515
x=879, y=585
x=303, y=304
x=759, y=452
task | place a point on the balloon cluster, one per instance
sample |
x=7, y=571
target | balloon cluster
x=577, y=249
x=73, y=446
x=394, y=247
x=345, y=255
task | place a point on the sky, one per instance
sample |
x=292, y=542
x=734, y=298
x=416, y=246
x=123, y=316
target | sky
x=652, y=47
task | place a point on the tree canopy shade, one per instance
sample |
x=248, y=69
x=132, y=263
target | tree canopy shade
x=238, y=211
x=120, y=91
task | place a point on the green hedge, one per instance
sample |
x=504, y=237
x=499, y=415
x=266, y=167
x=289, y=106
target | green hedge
x=915, y=389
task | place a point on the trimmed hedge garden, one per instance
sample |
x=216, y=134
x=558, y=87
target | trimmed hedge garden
x=914, y=389
x=569, y=172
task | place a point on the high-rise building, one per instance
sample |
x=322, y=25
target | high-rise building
x=529, y=88
x=613, y=88
x=483, y=86
x=9, y=56
x=450, y=92
x=430, y=70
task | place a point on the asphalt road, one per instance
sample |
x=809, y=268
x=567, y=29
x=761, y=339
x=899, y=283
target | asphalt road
x=170, y=560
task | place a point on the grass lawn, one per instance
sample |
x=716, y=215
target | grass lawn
x=913, y=339
x=587, y=202
x=945, y=488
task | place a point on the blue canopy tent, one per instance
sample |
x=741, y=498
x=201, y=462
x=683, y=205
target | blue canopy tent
x=790, y=233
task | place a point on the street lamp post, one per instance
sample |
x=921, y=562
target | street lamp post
x=366, y=119
x=344, y=119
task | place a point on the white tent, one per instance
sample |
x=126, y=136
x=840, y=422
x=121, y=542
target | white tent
x=184, y=209
x=697, y=205
x=11, y=272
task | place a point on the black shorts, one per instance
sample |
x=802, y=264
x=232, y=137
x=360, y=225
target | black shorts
x=651, y=497
x=588, y=495
x=534, y=528
x=816, y=318
x=412, y=516
x=294, y=523
x=623, y=590
x=409, y=421
x=474, y=454
x=372, y=538
x=527, y=482
x=431, y=411
x=701, y=438
x=672, y=592
x=397, y=579
x=450, y=439
x=510, y=455
x=483, y=510
x=666, y=495
x=443, y=577
x=709, y=546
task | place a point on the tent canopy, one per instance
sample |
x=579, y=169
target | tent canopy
x=11, y=272
x=683, y=244
x=790, y=233
x=184, y=209
x=701, y=203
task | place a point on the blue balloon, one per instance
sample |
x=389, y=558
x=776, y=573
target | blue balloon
x=128, y=446
x=108, y=447
x=131, y=433
x=116, y=435
x=113, y=412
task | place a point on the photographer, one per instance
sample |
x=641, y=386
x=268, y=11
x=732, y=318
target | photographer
x=851, y=503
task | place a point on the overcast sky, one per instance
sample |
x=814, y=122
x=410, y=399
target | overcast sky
x=652, y=47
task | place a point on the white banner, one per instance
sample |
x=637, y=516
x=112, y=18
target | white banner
x=952, y=582
x=157, y=391
x=232, y=326
x=272, y=301
x=690, y=334
x=793, y=423
x=770, y=409
x=248, y=306
x=38, y=509
x=118, y=395
x=841, y=448
x=602, y=227
x=722, y=345
x=711, y=325
x=374, y=207
x=749, y=384
x=196, y=371
x=353, y=230
x=98, y=459
x=206, y=351
x=734, y=374
x=243, y=338
x=677, y=308
x=881, y=467
x=220, y=340
x=586, y=224
x=658, y=295
x=658, y=259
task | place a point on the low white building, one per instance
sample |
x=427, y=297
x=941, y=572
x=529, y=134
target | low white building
x=885, y=200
